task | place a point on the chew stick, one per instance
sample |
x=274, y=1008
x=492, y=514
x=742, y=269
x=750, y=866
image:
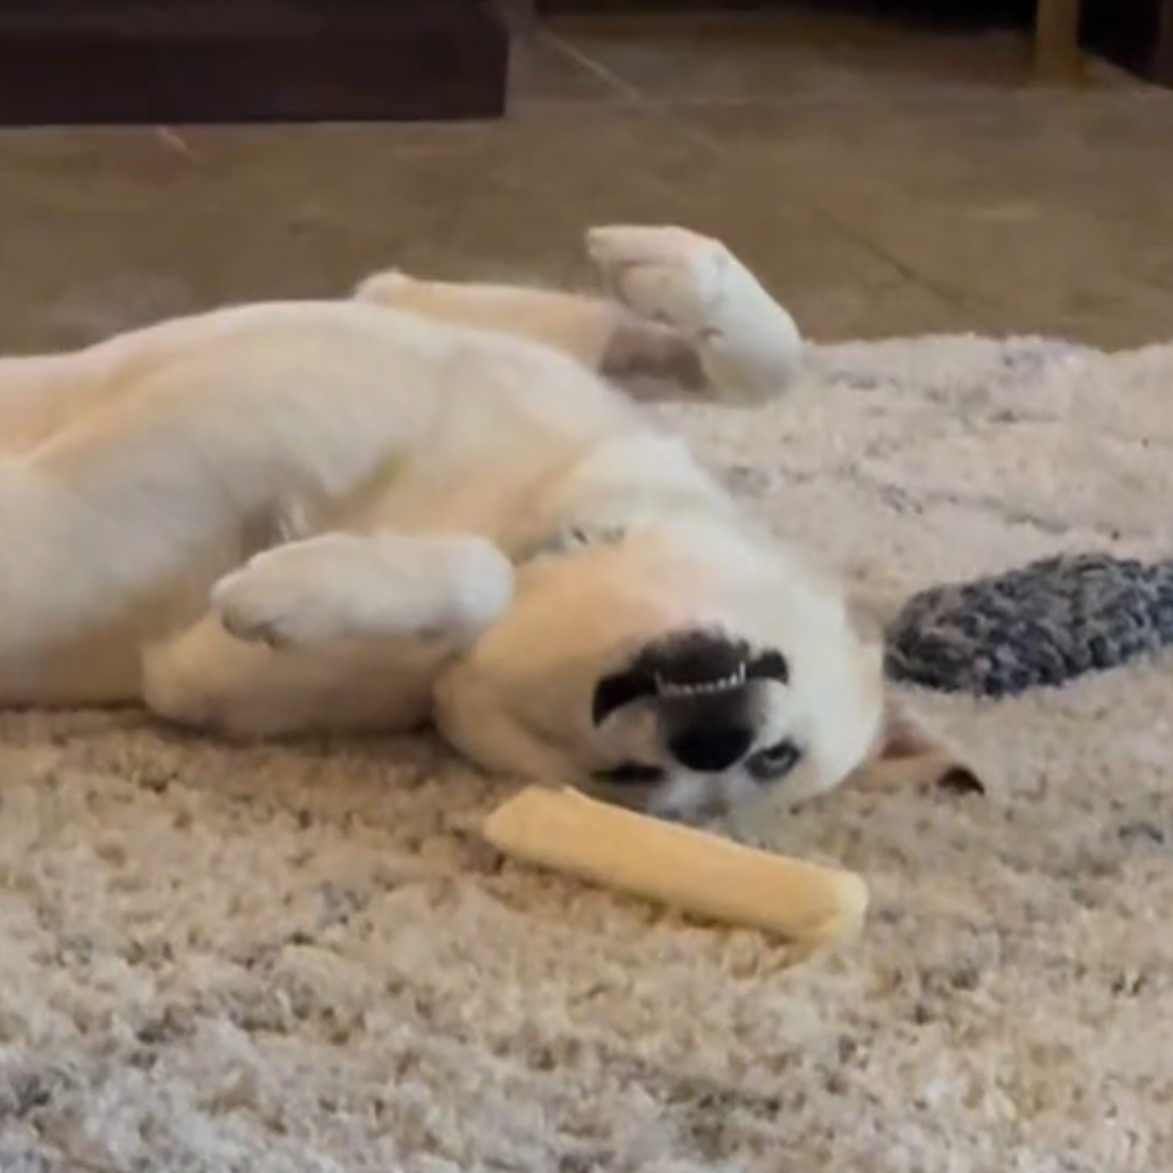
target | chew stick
x=681, y=867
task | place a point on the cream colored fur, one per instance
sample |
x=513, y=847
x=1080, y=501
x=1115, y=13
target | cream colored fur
x=419, y=502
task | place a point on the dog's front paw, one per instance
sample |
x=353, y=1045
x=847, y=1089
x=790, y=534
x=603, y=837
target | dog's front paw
x=352, y=587
x=278, y=596
x=668, y=274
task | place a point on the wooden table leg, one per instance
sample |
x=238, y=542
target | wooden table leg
x=1057, y=54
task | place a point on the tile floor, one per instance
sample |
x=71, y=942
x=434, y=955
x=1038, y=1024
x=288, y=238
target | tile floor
x=884, y=179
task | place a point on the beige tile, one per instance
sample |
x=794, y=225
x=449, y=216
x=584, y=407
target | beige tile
x=1031, y=213
x=544, y=69
x=792, y=51
x=878, y=185
x=155, y=228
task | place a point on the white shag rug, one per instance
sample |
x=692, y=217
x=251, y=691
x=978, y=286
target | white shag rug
x=273, y=959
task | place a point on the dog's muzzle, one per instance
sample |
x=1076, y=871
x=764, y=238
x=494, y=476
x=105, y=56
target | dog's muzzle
x=702, y=683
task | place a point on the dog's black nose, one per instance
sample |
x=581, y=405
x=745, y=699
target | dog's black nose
x=709, y=749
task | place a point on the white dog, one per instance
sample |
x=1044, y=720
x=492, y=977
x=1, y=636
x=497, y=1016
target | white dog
x=426, y=501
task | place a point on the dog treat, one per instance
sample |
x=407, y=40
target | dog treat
x=690, y=870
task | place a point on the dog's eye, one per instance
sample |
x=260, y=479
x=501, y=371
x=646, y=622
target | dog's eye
x=774, y=762
x=631, y=774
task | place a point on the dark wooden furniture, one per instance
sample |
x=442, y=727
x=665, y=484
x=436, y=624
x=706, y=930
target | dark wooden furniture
x=1135, y=34
x=1058, y=53
x=114, y=61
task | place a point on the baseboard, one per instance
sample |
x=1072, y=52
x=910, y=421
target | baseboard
x=209, y=61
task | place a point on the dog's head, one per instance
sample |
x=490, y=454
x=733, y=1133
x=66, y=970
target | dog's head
x=690, y=665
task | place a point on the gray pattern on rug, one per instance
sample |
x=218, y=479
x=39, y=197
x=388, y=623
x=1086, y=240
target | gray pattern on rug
x=279, y=958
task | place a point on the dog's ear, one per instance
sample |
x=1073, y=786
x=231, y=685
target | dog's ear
x=910, y=754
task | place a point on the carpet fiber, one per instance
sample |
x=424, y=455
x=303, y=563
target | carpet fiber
x=274, y=959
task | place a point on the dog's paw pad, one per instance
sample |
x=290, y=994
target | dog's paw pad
x=668, y=274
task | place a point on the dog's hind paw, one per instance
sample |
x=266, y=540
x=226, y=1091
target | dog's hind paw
x=667, y=274
x=748, y=344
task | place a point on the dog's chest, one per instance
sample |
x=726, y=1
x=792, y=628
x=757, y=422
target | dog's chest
x=465, y=490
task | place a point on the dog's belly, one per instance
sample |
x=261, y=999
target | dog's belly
x=504, y=444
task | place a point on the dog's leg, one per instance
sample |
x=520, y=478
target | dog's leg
x=577, y=324
x=54, y=565
x=748, y=345
x=205, y=679
x=356, y=587
x=356, y=628
x=90, y=565
x=120, y=521
x=600, y=332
